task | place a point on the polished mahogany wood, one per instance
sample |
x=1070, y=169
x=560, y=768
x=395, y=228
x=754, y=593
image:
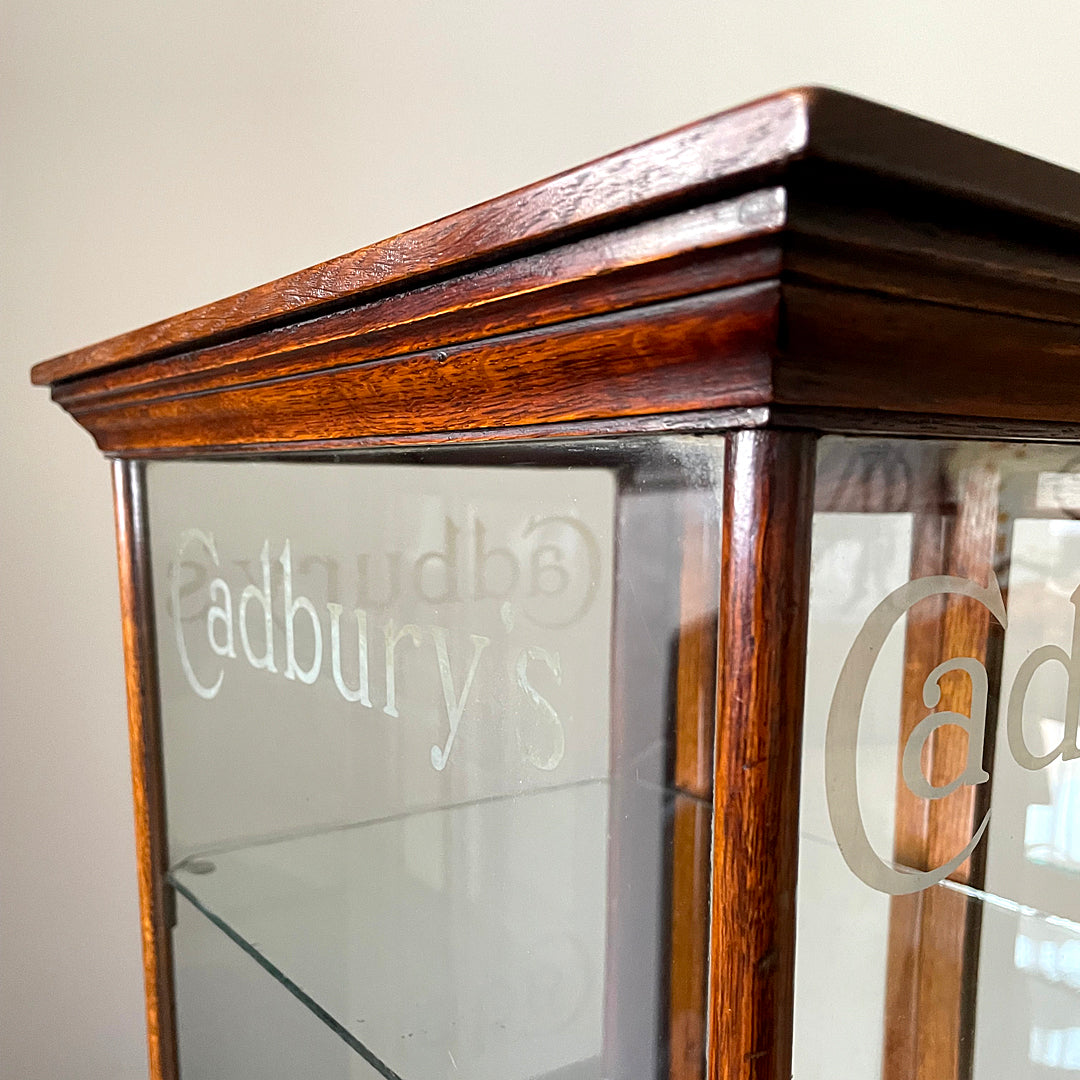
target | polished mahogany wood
x=823, y=358
x=708, y=351
x=691, y=774
x=775, y=136
x=655, y=176
x=688, y=943
x=697, y=422
x=915, y=425
x=915, y=270
x=712, y=247
x=764, y=601
x=856, y=234
x=156, y=898
x=933, y=936
x=861, y=350
x=695, y=662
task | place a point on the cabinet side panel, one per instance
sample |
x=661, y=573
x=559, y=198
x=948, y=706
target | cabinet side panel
x=146, y=775
x=764, y=597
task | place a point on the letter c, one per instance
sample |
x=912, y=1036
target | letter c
x=207, y=541
x=841, y=735
x=592, y=549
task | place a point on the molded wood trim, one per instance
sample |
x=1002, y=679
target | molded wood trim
x=791, y=138
x=707, y=352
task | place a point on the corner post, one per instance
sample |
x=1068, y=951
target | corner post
x=155, y=896
x=764, y=599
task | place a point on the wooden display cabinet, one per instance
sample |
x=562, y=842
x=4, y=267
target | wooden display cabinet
x=581, y=637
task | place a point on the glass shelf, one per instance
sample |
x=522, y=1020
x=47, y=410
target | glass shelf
x=471, y=940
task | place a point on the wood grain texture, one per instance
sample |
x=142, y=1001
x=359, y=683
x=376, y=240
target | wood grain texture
x=931, y=968
x=958, y=529
x=789, y=136
x=699, y=422
x=843, y=363
x=689, y=164
x=692, y=771
x=968, y=630
x=949, y=939
x=155, y=897
x=695, y=668
x=691, y=856
x=710, y=351
x=854, y=350
x=884, y=143
x=831, y=359
x=700, y=251
x=922, y=273
x=848, y=231
x=922, y=653
x=768, y=505
x=811, y=262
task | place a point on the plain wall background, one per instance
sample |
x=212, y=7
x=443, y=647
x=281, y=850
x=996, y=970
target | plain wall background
x=155, y=157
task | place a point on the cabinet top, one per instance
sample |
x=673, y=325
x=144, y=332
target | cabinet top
x=797, y=140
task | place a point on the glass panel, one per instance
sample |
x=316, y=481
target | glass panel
x=939, y=875
x=437, y=734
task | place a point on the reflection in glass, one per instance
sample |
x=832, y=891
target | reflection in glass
x=437, y=737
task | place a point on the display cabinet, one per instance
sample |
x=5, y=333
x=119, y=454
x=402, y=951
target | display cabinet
x=628, y=629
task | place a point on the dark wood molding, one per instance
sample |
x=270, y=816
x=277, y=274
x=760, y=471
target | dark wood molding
x=712, y=247
x=696, y=654
x=986, y=221
x=816, y=356
x=694, y=422
x=705, y=352
x=829, y=421
x=155, y=895
x=688, y=942
x=849, y=231
x=768, y=507
x=692, y=165
x=659, y=325
x=691, y=776
x=913, y=271
x=859, y=350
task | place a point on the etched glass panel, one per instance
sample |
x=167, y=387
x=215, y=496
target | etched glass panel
x=428, y=758
x=939, y=877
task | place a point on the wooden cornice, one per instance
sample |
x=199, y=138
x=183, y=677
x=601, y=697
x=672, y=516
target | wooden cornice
x=809, y=254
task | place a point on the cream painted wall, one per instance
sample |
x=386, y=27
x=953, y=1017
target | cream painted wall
x=157, y=156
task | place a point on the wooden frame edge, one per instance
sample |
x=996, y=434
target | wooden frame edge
x=155, y=896
x=764, y=602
